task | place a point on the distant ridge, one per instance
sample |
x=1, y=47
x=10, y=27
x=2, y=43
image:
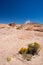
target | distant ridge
x=26, y=26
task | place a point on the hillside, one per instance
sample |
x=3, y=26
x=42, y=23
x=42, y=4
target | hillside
x=15, y=36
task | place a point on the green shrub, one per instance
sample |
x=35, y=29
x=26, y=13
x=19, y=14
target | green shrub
x=33, y=48
x=29, y=49
x=18, y=28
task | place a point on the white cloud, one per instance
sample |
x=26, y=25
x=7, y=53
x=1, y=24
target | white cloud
x=28, y=21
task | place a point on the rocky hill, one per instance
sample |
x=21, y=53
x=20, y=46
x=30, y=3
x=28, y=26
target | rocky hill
x=15, y=36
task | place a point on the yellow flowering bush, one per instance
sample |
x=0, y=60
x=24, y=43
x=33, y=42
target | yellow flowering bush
x=22, y=50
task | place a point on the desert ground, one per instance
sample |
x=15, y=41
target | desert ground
x=12, y=39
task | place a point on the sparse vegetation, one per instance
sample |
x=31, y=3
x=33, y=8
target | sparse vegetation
x=18, y=28
x=31, y=50
x=22, y=50
x=9, y=58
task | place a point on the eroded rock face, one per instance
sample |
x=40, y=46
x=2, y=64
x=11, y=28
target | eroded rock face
x=28, y=26
x=34, y=27
x=12, y=24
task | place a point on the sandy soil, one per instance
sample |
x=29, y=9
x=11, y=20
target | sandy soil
x=11, y=40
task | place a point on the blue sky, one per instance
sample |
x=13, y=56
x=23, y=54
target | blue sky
x=19, y=11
